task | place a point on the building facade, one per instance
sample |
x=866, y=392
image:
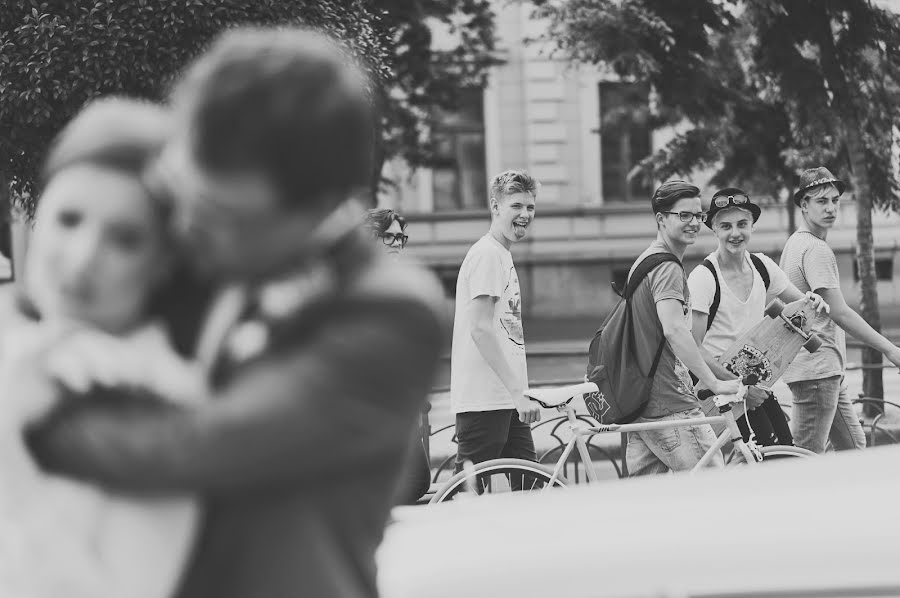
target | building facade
x=543, y=114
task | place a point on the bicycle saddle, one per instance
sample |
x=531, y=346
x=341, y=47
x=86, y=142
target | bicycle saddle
x=559, y=395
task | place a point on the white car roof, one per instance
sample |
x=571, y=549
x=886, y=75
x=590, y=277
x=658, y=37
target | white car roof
x=828, y=526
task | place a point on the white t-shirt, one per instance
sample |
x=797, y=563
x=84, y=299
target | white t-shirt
x=734, y=317
x=474, y=386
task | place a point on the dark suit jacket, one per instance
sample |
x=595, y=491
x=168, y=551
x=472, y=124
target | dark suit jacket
x=299, y=454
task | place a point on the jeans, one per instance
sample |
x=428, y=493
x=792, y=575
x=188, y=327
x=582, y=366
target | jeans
x=670, y=449
x=822, y=410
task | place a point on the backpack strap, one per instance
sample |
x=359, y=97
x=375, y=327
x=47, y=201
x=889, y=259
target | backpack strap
x=640, y=273
x=714, y=307
x=761, y=268
x=717, y=297
x=647, y=265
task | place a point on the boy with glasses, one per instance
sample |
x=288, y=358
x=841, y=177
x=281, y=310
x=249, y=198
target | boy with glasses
x=661, y=307
x=822, y=409
x=729, y=293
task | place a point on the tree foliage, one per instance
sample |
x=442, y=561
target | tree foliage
x=768, y=88
x=425, y=77
x=57, y=54
x=750, y=79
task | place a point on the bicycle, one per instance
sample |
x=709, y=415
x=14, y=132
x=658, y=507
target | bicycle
x=503, y=475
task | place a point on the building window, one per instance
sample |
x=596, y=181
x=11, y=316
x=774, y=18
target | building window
x=625, y=139
x=459, y=177
x=884, y=268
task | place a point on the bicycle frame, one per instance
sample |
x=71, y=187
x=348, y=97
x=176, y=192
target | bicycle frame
x=731, y=433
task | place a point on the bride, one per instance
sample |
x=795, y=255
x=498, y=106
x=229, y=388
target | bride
x=99, y=259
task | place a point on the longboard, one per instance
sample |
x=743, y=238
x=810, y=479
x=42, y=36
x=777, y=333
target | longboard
x=767, y=349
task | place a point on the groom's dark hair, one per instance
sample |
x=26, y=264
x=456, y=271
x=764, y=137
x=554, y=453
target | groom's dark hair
x=290, y=104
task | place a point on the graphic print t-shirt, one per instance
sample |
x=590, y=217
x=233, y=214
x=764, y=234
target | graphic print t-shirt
x=672, y=390
x=487, y=270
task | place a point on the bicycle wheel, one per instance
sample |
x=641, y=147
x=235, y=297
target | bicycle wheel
x=776, y=452
x=499, y=476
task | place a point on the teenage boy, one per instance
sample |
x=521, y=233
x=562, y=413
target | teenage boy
x=822, y=409
x=318, y=374
x=661, y=306
x=729, y=294
x=488, y=375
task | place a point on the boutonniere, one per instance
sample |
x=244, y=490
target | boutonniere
x=248, y=340
x=277, y=302
x=282, y=299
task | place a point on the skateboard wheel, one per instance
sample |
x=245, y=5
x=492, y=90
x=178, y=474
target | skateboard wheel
x=774, y=309
x=813, y=343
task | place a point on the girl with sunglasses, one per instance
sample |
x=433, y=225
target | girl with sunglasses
x=730, y=291
x=389, y=228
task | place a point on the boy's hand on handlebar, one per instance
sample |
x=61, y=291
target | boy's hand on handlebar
x=726, y=387
x=529, y=411
x=818, y=303
x=755, y=397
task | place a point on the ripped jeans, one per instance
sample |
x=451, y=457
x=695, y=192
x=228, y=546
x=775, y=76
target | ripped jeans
x=671, y=449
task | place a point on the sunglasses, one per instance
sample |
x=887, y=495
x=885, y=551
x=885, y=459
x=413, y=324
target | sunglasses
x=391, y=238
x=688, y=216
x=735, y=200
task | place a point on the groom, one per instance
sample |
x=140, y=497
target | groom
x=320, y=351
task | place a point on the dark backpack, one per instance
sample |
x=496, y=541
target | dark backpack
x=612, y=357
x=714, y=307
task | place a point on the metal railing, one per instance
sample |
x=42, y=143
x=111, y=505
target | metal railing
x=877, y=433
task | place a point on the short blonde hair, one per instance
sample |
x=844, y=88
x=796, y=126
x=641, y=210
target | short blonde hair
x=819, y=191
x=511, y=182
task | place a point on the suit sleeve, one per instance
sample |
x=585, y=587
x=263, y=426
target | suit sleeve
x=343, y=400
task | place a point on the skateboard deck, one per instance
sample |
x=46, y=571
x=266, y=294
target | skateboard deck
x=767, y=349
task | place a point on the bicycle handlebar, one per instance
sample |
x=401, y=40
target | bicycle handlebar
x=746, y=381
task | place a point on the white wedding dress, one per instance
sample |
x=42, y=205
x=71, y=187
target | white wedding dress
x=60, y=538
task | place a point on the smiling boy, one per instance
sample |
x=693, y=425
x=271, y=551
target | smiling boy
x=661, y=306
x=729, y=292
x=488, y=375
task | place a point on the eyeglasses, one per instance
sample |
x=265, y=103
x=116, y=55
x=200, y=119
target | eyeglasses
x=735, y=200
x=391, y=238
x=688, y=216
